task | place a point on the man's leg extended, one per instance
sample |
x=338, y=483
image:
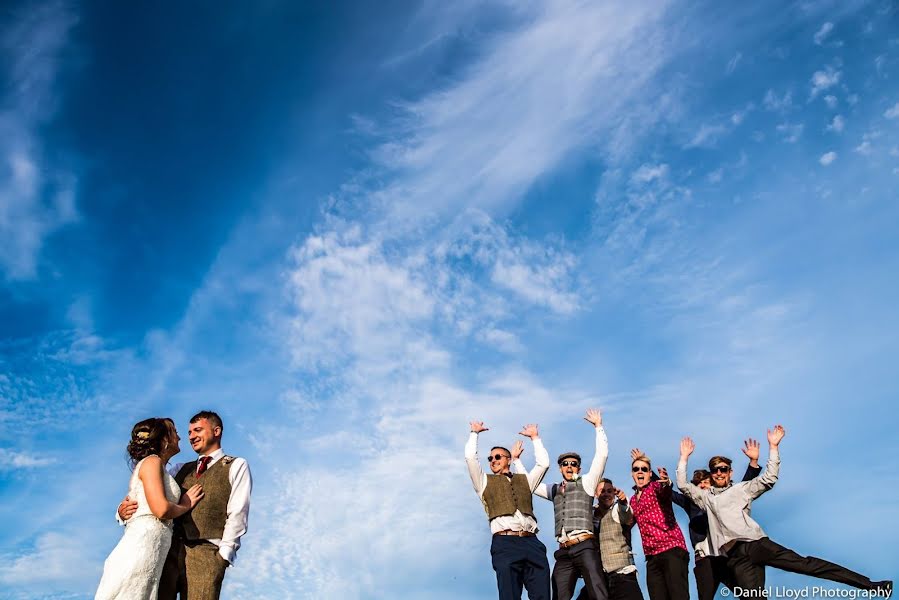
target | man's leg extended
x=770, y=553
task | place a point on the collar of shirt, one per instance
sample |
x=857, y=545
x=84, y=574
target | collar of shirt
x=215, y=456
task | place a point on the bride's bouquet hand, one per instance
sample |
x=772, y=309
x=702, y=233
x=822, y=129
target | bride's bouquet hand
x=192, y=496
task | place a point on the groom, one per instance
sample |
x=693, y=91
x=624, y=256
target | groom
x=206, y=539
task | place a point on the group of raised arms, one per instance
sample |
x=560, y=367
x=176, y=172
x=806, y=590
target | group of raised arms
x=593, y=522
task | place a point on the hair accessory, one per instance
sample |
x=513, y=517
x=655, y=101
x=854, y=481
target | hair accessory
x=143, y=434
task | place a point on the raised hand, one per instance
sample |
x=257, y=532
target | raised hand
x=622, y=497
x=636, y=453
x=686, y=448
x=477, y=426
x=192, y=496
x=751, y=450
x=517, y=449
x=775, y=435
x=663, y=475
x=530, y=431
x=594, y=416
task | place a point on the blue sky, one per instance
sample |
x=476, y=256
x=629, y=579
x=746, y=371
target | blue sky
x=352, y=229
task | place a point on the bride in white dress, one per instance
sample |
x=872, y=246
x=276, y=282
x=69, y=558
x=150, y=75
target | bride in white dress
x=133, y=568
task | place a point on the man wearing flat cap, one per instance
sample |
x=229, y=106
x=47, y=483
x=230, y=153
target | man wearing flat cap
x=578, y=553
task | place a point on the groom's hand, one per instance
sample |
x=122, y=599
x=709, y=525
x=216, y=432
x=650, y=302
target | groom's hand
x=127, y=508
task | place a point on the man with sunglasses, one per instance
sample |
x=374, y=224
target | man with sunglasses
x=711, y=571
x=578, y=553
x=519, y=558
x=667, y=557
x=734, y=534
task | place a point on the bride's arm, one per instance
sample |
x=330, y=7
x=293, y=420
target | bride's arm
x=150, y=475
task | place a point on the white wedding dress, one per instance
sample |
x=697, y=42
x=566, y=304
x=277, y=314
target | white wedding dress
x=133, y=568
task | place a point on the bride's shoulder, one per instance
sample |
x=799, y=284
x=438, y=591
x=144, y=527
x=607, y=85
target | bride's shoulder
x=148, y=463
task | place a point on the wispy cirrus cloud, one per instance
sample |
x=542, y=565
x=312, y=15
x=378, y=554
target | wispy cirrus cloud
x=488, y=131
x=38, y=195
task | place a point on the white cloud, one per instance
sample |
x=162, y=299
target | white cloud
x=38, y=197
x=715, y=176
x=50, y=564
x=823, y=80
x=864, y=148
x=648, y=172
x=488, y=131
x=893, y=112
x=707, y=136
x=776, y=103
x=733, y=62
x=13, y=460
x=827, y=158
x=791, y=132
x=831, y=101
x=822, y=33
x=837, y=124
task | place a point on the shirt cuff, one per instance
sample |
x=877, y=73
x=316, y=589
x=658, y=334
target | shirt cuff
x=227, y=553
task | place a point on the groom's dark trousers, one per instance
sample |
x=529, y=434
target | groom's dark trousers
x=195, y=570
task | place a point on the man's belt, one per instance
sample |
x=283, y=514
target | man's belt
x=515, y=533
x=575, y=540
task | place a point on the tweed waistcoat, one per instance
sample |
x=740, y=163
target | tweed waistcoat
x=207, y=519
x=614, y=542
x=574, y=508
x=502, y=496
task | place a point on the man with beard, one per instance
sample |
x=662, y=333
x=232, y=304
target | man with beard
x=733, y=532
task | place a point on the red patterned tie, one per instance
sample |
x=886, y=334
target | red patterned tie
x=204, y=463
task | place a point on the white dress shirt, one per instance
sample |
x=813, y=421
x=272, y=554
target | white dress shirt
x=518, y=521
x=238, y=503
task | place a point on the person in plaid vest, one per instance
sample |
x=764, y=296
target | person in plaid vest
x=572, y=500
x=613, y=520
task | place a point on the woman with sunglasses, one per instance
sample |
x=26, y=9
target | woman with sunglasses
x=667, y=557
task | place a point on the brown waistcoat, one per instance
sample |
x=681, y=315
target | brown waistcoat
x=207, y=519
x=503, y=497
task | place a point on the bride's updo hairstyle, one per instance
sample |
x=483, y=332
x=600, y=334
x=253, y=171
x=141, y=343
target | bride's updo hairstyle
x=147, y=437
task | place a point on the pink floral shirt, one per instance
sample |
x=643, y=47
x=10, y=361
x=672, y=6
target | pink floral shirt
x=654, y=514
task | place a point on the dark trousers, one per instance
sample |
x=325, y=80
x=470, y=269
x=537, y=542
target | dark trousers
x=710, y=573
x=520, y=561
x=666, y=575
x=580, y=560
x=622, y=586
x=747, y=561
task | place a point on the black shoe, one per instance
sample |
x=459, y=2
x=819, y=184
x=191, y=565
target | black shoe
x=883, y=589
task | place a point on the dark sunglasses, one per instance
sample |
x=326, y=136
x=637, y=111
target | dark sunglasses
x=720, y=469
x=570, y=463
x=497, y=457
x=640, y=469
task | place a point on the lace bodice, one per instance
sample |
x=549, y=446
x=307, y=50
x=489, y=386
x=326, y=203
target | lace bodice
x=136, y=492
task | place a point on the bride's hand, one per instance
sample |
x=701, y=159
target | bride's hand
x=192, y=496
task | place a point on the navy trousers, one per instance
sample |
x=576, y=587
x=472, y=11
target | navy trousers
x=520, y=562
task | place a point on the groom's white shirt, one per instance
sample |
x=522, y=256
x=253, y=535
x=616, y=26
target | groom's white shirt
x=238, y=503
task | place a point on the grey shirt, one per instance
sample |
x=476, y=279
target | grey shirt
x=730, y=509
